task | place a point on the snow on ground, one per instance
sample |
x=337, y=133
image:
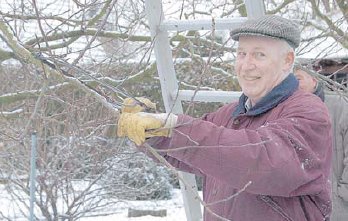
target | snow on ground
x=119, y=212
x=174, y=206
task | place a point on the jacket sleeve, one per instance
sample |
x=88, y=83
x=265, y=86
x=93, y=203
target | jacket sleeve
x=343, y=133
x=288, y=156
x=162, y=142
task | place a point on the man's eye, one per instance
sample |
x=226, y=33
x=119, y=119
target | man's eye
x=259, y=55
x=240, y=54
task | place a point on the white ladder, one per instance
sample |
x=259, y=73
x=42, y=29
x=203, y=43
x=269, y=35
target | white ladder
x=172, y=97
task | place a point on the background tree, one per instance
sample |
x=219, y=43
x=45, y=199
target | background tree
x=66, y=66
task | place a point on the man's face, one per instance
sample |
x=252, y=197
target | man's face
x=261, y=64
x=306, y=81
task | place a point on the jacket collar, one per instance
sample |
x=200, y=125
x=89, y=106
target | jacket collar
x=277, y=95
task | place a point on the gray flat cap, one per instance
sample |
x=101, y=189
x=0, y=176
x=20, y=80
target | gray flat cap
x=272, y=26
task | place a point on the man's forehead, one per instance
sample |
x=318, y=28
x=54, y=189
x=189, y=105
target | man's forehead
x=258, y=43
x=241, y=48
x=258, y=40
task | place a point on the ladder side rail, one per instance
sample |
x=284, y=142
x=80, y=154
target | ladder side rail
x=255, y=8
x=169, y=83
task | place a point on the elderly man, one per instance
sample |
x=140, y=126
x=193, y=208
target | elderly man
x=338, y=109
x=276, y=138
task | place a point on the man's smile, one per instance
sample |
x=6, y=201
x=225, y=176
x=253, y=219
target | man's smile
x=250, y=78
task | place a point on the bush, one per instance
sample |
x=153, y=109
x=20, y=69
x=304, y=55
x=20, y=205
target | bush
x=141, y=178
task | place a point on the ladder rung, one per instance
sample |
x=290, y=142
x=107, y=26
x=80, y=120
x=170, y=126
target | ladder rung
x=207, y=96
x=203, y=24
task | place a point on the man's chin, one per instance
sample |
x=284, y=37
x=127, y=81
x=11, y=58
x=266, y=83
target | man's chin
x=250, y=93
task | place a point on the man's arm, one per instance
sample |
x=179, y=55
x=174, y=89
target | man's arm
x=162, y=143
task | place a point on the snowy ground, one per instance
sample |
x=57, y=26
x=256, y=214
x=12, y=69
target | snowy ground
x=174, y=206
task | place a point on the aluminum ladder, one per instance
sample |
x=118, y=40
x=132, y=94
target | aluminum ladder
x=171, y=94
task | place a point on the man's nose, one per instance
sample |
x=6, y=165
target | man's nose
x=248, y=62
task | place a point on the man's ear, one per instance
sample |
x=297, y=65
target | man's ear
x=314, y=80
x=289, y=60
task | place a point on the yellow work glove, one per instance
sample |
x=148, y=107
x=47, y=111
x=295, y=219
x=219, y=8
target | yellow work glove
x=139, y=126
x=131, y=105
x=168, y=123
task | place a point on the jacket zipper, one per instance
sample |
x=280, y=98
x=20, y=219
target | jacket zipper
x=270, y=202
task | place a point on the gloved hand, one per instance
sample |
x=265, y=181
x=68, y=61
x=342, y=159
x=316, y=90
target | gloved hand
x=138, y=104
x=138, y=126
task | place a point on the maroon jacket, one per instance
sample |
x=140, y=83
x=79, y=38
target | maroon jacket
x=284, y=152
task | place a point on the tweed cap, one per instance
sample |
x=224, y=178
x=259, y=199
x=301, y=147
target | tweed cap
x=272, y=26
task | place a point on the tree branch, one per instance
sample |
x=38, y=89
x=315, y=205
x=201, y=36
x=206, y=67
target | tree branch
x=27, y=57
